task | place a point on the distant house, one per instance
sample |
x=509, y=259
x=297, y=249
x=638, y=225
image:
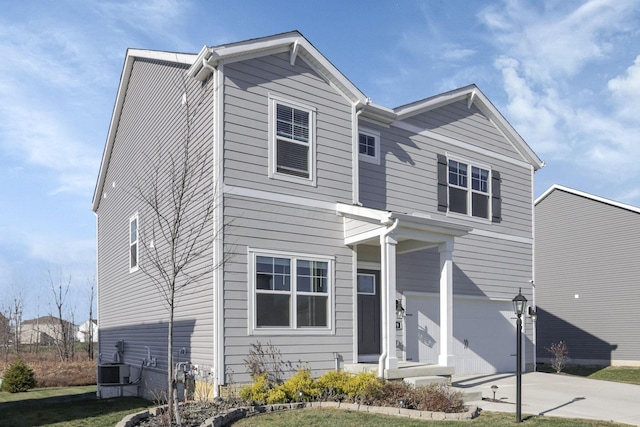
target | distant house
x=45, y=330
x=360, y=234
x=587, y=264
x=88, y=329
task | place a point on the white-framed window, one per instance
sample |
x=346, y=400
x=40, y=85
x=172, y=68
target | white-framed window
x=469, y=189
x=290, y=292
x=369, y=145
x=366, y=284
x=292, y=141
x=133, y=243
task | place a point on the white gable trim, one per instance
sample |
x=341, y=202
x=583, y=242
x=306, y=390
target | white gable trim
x=131, y=56
x=292, y=42
x=587, y=196
x=468, y=147
x=473, y=95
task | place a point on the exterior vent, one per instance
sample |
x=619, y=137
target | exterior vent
x=113, y=374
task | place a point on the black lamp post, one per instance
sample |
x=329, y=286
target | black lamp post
x=519, y=303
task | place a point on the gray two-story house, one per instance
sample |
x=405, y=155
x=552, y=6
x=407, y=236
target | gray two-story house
x=586, y=265
x=344, y=232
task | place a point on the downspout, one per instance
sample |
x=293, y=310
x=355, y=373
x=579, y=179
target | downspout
x=534, y=323
x=218, y=319
x=384, y=295
x=355, y=154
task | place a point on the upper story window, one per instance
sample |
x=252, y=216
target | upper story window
x=369, y=146
x=292, y=141
x=133, y=243
x=468, y=189
x=290, y=291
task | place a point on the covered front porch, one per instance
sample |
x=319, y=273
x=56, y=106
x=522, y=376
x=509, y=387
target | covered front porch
x=395, y=234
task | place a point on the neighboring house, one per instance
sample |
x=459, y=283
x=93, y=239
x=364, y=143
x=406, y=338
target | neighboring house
x=88, y=329
x=358, y=232
x=586, y=284
x=45, y=330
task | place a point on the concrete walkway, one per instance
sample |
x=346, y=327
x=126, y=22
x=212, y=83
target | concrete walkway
x=557, y=395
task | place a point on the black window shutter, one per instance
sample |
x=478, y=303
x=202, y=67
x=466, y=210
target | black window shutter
x=496, y=200
x=442, y=183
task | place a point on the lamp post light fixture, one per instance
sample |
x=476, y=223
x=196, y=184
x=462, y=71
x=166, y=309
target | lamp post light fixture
x=519, y=303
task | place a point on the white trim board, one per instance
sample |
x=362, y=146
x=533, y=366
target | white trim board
x=278, y=197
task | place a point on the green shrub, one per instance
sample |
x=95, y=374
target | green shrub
x=276, y=395
x=300, y=386
x=19, y=377
x=333, y=382
x=258, y=391
x=364, y=384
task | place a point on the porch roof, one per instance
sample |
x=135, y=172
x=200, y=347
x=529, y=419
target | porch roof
x=414, y=231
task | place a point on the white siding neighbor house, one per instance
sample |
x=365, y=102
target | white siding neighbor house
x=344, y=232
x=586, y=264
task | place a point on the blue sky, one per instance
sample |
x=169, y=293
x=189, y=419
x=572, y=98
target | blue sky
x=565, y=74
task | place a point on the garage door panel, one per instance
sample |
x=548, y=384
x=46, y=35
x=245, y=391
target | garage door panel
x=484, y=334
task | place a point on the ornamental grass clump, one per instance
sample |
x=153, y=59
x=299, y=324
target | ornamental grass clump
x=18, y=378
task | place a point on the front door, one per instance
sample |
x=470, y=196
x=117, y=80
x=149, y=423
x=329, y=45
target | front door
x=368, y=315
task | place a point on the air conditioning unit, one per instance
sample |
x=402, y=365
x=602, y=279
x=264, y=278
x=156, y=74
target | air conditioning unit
x=113, y=374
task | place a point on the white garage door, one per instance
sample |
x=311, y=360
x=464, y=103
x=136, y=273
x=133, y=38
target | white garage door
x=483, y=330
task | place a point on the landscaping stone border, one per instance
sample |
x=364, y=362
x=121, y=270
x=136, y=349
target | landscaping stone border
x=223, y=419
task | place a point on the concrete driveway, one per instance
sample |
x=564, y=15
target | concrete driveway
x=557, y=395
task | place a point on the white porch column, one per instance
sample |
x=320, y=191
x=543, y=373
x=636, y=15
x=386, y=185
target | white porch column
x=446, y=304
x=389, y=243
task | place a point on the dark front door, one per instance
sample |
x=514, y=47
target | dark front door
x=368, y=315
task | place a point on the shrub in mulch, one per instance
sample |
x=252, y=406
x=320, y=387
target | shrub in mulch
x=363, y=388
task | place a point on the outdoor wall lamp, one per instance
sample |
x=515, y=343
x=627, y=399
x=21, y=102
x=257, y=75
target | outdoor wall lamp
x=532, y=313
x=399, y=310
x=519, y=303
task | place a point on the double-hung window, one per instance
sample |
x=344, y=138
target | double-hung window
x=133, y=243
x=290, y=291
x=469, y=189
x=292, y=141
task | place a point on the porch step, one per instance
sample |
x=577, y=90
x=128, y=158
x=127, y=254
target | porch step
x=404, y=370
x=426, y=381
x=411, y=371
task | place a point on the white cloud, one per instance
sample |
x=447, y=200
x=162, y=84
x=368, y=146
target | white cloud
x=456, y=53
x=552, y=43
x=553, y=65
x=625, y=90
x=155, y=19
x=41, y=138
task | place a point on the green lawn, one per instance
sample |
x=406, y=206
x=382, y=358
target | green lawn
x=65, y=407
x=78, y=406
x=341, y=418
x=609, y=373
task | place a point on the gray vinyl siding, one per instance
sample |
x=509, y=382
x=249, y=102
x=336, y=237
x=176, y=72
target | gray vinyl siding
x=296, y=229
x=457, y=121
x=406, y=180
x=130, y=306
x=587, y=248
x=247, y=87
